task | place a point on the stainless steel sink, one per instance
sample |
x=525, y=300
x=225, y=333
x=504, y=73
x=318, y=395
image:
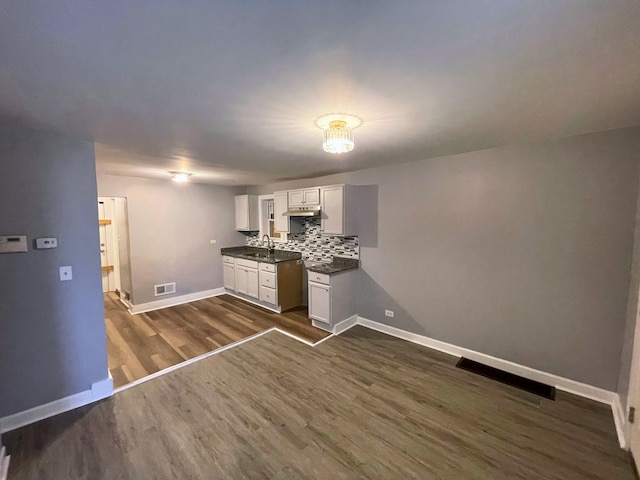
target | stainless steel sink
x=257, y=255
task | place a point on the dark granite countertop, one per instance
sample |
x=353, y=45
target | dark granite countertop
x=337, y=265
x=249, y=253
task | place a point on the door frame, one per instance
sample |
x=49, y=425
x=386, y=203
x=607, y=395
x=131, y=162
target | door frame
x=111, y=240
x=633, y=395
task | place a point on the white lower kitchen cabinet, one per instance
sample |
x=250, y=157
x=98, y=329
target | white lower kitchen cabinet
x=276, y=286
x=332, y=298
x=253, y=287
x=246, y=277
x=228, y=271
x=240, y=280
x=320, y=303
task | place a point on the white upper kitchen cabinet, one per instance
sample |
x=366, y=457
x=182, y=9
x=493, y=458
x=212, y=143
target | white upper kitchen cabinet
x=338, y=215
x=307, y=196
x=280, y=206
x=247, y=213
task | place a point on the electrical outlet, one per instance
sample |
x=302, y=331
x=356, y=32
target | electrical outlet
x=66, y=274
x=389, y=313
x=213, y=242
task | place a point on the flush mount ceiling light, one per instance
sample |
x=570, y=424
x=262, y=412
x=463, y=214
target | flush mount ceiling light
x=338, y=132
x=180, y=177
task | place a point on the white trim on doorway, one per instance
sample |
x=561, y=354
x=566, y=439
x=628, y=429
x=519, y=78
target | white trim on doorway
x=620, y=420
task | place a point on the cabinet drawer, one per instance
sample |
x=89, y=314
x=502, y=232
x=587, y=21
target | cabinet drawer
x=268, y=267
x=268, y=295
x=227, y=259
x=320, y=278
x=267, y=279
x=246, y=263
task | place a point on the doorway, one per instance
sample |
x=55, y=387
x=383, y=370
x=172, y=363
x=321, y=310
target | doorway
x=113, y=226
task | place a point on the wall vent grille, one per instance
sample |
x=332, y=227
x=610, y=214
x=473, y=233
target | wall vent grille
x=165, y=289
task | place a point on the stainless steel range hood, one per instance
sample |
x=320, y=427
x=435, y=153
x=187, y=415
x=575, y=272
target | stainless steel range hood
x=310, y=211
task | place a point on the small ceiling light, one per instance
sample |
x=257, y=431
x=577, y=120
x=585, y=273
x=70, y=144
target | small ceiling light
x=338, y=132
x=180, y=177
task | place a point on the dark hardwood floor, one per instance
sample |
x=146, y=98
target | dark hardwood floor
x=139, y=345
x=361, y=405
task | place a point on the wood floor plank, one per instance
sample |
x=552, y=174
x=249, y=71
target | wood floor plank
x=119, y=377
x=129, y=359
x=143, y=326
x=161, y=362
x=361, y=405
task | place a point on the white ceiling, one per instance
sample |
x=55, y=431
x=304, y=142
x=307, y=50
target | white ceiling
x=230, y=89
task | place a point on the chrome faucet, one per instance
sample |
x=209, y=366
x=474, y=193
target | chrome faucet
x=270, y=248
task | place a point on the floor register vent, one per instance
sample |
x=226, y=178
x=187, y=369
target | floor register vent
x=165, y=288
x=507, y=378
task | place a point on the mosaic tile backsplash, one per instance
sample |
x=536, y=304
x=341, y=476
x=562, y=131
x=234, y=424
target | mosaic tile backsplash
x=312, y=244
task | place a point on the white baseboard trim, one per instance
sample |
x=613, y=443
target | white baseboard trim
x=345, y=325
x=173, y=301
x=561, y=383
x=253, y=301
x=620, y=419
x=98, y=391
x=126, y=303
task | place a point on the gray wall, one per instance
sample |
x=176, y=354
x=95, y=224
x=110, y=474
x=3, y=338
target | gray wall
x=170, y=226
x=521, y=252
x=52, y=333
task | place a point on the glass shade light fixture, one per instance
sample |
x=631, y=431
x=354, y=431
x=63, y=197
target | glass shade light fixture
x=338, y=132
x=338, y=138
x=180, y=177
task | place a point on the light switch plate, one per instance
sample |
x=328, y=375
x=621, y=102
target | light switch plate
x=43, y=243
x=66, y=273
